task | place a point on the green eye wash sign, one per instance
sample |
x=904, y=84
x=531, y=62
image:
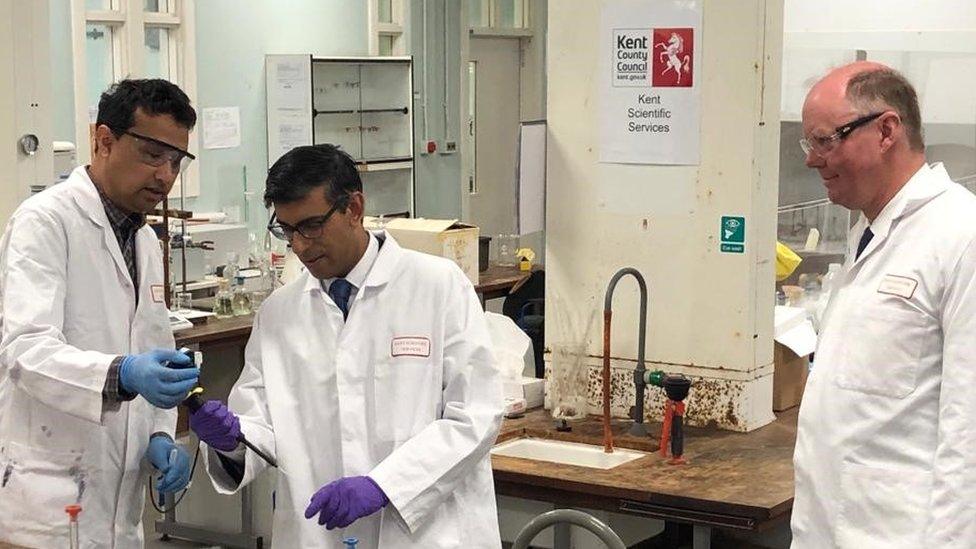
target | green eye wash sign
x=733, y=234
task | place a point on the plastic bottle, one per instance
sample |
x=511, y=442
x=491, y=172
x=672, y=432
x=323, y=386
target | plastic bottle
x=351, y=543
x=223, y=301
x=827, y=288
x=833, y=273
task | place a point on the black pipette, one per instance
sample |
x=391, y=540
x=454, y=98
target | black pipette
x=193, y=402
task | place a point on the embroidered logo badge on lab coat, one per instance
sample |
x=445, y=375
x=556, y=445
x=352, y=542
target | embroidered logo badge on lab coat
x=410, y=346
x=901, y=286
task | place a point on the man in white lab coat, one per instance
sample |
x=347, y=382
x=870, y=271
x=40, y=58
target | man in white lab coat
x=86, y=397
x=369, y=378
x=886, y=448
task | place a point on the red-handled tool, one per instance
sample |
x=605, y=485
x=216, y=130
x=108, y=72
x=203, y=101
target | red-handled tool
x=676, y=387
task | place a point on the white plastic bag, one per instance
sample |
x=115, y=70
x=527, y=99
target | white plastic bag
x=511, y=346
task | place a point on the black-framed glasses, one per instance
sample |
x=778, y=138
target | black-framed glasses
x=155, y=153
x=823, y=145
x=309, y=228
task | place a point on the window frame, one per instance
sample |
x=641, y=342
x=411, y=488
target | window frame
x=129, y=21
x=396, y=29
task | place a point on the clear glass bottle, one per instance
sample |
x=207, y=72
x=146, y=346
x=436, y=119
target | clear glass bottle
x=265, y=285
x=231, y=267
x=242, y=299
x=223, y=301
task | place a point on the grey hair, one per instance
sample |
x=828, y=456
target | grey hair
x=883, y=89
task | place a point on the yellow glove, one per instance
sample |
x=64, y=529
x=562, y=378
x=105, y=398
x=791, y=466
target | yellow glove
x=786, y=261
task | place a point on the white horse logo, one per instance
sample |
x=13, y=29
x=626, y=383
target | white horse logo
x=672, y=48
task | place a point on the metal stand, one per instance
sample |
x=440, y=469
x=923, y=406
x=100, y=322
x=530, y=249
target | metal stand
x=245, y=539
x=567, y=517
x=702, y=537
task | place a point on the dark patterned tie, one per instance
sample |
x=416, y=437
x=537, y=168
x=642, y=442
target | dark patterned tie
x=865, y=238
x=339, y=291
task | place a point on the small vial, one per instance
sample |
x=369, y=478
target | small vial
x=73, y=537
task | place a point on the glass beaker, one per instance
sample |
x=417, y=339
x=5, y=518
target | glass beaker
x=568, y=380
x=505, y=248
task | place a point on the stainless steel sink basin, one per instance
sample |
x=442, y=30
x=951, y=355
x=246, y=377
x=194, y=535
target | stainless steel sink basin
x=569, y=453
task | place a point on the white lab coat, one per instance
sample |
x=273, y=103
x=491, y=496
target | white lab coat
x=886, y=448
x=331, y=400
x=67, y=308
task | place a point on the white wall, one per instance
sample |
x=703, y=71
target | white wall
x=438, y=175
x=710, y=313
x=932, y=43
x=62, y=82
x=232, y=40
x=878, y=15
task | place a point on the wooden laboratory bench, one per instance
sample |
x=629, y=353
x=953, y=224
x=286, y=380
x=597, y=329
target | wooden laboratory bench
x=733, y=481
x=217, y=331
x=499, y=280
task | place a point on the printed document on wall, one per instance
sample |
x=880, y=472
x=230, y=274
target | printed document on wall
x=221, y=127
x=649, y=91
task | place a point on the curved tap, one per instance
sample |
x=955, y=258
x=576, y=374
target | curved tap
x=638, y=427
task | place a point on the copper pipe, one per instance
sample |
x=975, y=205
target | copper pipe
x=607, y=434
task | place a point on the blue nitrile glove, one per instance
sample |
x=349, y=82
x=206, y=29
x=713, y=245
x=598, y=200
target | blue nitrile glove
x=172, y=461
x=148, y=375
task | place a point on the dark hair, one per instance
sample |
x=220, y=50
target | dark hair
x=117, y=106
x=302, y=169
x=881, y=89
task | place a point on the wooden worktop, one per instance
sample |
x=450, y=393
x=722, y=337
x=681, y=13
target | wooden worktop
x=216, y=331
x=742, y=475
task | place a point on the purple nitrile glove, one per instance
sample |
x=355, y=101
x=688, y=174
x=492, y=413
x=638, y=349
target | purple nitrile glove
x=346, y=500
x=216, y=425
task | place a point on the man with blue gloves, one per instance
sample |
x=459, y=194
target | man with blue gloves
x=87, y=391
x=369, y=379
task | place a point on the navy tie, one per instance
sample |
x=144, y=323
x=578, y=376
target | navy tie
x=339, y=291
x=865, y=238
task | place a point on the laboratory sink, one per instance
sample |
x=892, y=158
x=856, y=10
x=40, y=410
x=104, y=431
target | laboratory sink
x=569, y=453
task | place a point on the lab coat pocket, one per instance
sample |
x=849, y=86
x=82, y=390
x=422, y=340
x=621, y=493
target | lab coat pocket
x=400, y=397
x=882, y=352
x=35, y=487
x=882, y=507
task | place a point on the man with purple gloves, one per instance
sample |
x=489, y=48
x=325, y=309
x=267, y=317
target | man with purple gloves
x=369, y=379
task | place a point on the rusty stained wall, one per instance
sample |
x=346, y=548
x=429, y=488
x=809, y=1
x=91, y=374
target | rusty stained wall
x=711, y=402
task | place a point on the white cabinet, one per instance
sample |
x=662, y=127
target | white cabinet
x=26, y=156
x=362, y=104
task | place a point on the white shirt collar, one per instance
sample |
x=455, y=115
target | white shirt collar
x=357, y=276
x=896, y=205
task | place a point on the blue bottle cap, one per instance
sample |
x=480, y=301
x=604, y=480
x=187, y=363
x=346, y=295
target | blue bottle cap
x=351, y=542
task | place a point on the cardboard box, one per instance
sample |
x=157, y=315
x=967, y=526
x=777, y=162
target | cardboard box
x=441, y=237
x=529, y=388
x=789, y=377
